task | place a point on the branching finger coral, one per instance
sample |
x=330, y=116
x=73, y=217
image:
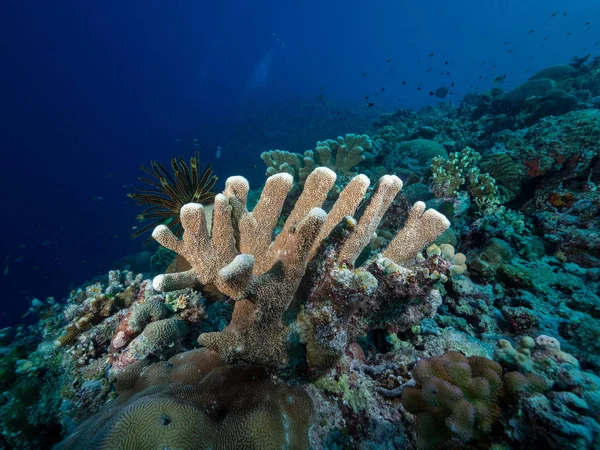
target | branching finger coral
x=339, y=155
x=343, y=153
x=241, y=258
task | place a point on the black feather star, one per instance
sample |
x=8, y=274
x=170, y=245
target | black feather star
x=171, y=192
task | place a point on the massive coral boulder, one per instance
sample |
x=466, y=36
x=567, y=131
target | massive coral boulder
x=194, y=402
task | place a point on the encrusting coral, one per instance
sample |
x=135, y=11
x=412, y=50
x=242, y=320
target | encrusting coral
x=455, y=396
x=241, y=258
x=459, y=399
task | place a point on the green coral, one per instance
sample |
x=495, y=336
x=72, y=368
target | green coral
x=162, y=258
x=455, y=397
x=461, y=172
x=355, y=396
x=340, y=155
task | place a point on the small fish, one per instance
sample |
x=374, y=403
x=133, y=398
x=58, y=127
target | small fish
x=110, y=175
x=510, y=51
x=83, y=261
x=441, y=92
x=382, y=89
x=389, y=61
x=565, y=14
x=428, y=70
x=531, y=31
x=125, y=186
x=5, y=270
x=587, y=23
x=546, y=38
x=506, y=43
x=446, y=63
x=370, y=104
x=404, y=82
x=588, y=29
x=36, y=267
x=134, y=227
x=418, y=88
x=337, y=114
x=364, y=74
x=499, y=80
x=45, y=243
x=452, y=85
x=97, y=198
x=22, y=245
x=19, y=259
x=555, y=13
x=569, y=34
x=431, y=93
x=431, y=54
x=366, y=97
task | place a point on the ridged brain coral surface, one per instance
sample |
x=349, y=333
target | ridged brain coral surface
x=233, y=407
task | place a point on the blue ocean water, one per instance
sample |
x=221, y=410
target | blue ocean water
x=89, y=91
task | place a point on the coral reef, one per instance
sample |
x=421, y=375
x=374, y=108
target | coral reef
x=334, y=310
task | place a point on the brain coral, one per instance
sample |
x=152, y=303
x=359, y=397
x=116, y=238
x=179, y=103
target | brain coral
x=233, y=407
x=147, y=312
x=185, y=368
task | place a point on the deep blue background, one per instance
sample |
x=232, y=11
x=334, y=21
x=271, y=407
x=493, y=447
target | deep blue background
x=90, y=90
